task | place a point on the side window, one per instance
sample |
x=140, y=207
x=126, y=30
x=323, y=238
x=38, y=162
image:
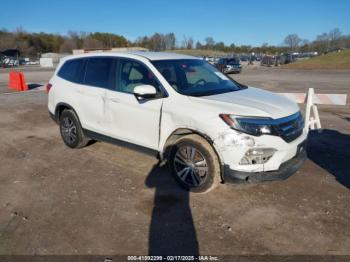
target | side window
x=168, y=71
x=72, y=70
x=132, y=73
x=98, y=72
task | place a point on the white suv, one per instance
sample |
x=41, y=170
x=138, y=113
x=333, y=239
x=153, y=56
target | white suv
x=209, y=127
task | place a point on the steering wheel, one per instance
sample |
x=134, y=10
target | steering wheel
x=201, y=80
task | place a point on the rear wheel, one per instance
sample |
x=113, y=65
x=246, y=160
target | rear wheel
x=71, y=130
x=195, y=164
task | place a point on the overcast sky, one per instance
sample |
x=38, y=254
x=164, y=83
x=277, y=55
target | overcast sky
x=238, y=22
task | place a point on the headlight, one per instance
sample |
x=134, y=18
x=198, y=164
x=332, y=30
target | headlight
x=252, y=126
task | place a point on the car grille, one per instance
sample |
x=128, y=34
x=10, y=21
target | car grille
x=291, y=127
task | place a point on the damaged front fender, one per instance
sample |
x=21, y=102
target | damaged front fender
x=228, y=139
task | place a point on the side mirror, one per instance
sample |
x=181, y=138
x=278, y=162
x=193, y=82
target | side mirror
x=144, y=91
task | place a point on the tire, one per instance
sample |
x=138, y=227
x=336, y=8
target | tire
x=71, y=131
x=188, y=167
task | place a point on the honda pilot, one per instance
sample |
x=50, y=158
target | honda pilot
x=206, y=126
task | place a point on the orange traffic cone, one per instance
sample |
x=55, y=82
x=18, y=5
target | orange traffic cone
x=24, y=86
x=17, y=81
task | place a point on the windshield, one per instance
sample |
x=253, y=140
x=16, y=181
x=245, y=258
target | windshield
x=233, y=61
x=194, y=77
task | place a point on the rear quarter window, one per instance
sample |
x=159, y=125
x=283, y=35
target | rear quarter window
x=72, y=70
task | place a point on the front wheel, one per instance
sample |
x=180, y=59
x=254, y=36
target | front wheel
x=194, y=164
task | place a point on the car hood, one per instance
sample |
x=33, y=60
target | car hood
x=252, y=102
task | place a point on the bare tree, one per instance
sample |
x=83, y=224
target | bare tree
x=156, y=42
x=292, y=41
x=329, y=41
x=321, y=44
x=89, y=42
x=170, y=41
x=334, y=37
x=199, y=45
x=189, y=43
x=184, y=42
x=142, y=41
x=334, y=34
x=209, y=41
x=77, y=38
x=304, y=45
x=68, y=45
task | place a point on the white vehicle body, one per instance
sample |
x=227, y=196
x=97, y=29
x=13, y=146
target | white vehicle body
x=151, y=124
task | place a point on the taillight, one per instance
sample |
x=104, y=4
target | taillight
x=48, y=87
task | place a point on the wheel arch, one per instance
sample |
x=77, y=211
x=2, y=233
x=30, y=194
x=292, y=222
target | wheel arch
x=60, y=107
x=179, y=132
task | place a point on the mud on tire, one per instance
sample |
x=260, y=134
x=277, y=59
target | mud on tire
x=194, y=164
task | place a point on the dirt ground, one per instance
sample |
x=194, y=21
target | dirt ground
x=104, y=199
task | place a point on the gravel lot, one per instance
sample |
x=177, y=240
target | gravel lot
x=105, y=199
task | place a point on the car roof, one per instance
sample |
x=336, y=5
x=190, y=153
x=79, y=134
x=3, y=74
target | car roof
x=162, y=55
x=153, y=56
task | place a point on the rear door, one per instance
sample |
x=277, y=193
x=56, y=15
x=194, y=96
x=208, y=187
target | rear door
x=129, y=119
x=98, y=78
x=67, y=86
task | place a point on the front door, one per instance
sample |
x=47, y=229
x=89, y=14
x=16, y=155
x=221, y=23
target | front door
x=132, y=120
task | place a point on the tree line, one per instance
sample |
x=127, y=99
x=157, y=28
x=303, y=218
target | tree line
x=33, y=44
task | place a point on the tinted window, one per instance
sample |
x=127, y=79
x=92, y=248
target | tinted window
x=98, y=72
x=132, y=74
x=72, y=70
x=233, y=61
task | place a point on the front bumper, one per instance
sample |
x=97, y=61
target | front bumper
x=286, y=169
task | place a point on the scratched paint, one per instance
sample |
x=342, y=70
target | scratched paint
x=229, y=139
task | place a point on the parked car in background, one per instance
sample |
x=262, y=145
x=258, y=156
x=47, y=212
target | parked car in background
x=244, y=58
x=308, y=54
x=229, y=65
x=207, y=126
x=210, y=59
x=268, y=60
x=286, y=58
x=10, y=58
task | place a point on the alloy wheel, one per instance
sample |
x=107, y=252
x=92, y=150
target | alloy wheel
x=190, y=166
x=69, y=130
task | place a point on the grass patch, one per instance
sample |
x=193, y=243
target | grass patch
x=339, y=60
